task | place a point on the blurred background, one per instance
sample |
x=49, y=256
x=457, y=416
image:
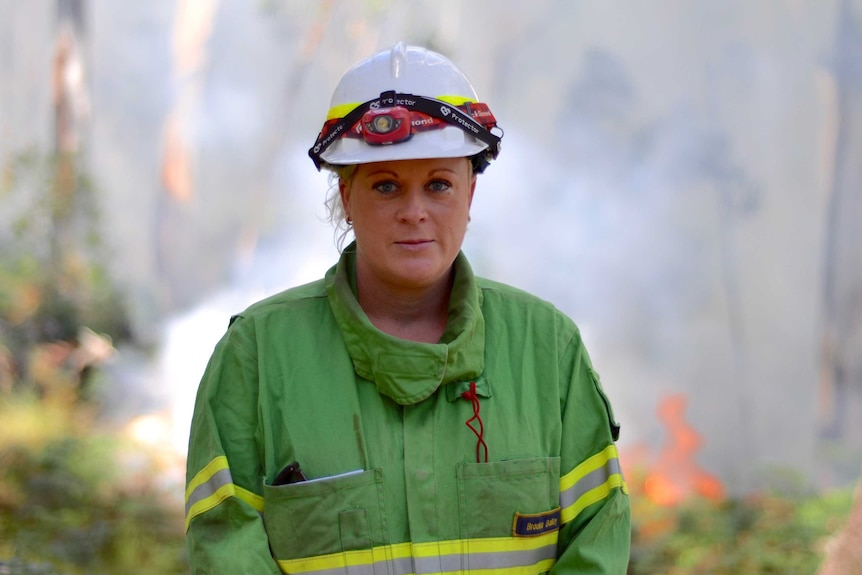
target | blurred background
x=684, y=179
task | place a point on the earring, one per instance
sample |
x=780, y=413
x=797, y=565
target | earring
x=349, y=221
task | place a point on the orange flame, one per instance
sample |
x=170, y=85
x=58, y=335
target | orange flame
x=675, y=475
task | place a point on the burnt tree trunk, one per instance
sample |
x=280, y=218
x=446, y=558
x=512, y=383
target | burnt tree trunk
x=68, y=94
x=843, y=257
x=69, y=104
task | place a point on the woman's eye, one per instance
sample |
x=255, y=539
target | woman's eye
x=385, y=187
x=439, y=186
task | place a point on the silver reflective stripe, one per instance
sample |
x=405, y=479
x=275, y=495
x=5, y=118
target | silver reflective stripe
x=453, y=562
x=498, y=560
x=401, y=566
x=590, y=481
x=357, y=569
x=210, y=486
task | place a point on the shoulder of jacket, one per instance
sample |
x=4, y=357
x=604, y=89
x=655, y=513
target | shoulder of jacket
x=513, y=294
x=496, y=294
x=284, y=300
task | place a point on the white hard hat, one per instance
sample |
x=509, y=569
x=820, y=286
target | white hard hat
x=405, y=103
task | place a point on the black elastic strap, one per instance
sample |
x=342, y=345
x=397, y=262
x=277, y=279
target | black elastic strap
x=428, y=106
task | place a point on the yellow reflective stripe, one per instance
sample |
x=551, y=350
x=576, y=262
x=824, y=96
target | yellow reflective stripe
x=592, y=496
x=456, y=100
x=507, y=555
x=212, y=485
x=253, y=499
x=342, y=110
x=208, y=503
x=590, y=482
x=205, y=474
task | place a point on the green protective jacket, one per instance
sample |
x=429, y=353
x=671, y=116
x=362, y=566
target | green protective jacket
x=397, y=480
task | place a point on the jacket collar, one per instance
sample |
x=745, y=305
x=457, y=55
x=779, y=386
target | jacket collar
x=408, y=371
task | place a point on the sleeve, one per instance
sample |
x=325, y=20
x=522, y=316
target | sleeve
x=224, y=500
x=595, y=536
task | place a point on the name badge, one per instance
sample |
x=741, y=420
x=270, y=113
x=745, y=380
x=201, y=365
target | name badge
x=527, y=525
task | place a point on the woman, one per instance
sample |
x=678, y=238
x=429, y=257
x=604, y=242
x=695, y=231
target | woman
x=401, y=415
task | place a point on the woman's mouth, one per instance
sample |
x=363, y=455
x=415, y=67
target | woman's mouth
x=414, y=243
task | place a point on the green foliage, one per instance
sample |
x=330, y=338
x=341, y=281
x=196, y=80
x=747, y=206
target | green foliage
x=70, y=499
x=769, y=533
x=74, y=499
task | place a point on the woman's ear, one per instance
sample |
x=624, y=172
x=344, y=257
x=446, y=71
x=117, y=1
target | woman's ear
x=344, y=192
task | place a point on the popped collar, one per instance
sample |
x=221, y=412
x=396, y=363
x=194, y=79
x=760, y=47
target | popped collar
x=408, y=371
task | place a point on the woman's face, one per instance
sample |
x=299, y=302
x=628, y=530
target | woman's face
x=409, y=219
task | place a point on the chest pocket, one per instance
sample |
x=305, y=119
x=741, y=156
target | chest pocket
x=325, y=516
x=490, y=494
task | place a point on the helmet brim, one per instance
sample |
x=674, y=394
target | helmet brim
x=450, y=142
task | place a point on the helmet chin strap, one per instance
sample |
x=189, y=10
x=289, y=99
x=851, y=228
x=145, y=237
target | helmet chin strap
x=447, y=113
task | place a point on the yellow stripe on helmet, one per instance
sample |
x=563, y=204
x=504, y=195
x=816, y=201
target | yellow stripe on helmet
x=341, y=110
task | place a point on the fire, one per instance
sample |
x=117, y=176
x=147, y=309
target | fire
x=674, y=476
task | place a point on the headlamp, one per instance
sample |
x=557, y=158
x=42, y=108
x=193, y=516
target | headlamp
x=404, y=115
x=386, y=126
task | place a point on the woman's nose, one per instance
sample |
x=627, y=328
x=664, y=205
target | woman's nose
x=413, y=208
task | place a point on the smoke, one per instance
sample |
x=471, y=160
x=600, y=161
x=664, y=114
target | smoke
x=300, y=250
x=661, y=181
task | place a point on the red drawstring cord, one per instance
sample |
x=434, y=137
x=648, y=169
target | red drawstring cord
x=474, y=399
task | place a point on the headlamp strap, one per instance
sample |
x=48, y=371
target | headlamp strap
x=451, y=115
x=390, y=99
x=328, y=136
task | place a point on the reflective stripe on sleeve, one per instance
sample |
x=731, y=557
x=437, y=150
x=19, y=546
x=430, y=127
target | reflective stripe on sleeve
x=504, y=555
x=212, y=485
x=590, y=482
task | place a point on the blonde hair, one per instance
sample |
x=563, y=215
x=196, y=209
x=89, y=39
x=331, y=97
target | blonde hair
x=335, y=212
